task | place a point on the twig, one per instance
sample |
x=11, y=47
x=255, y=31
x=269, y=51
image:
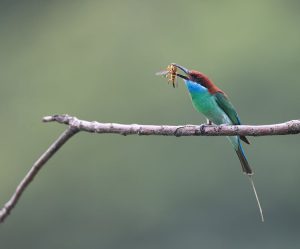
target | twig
x=63, y=138
x=76, y=125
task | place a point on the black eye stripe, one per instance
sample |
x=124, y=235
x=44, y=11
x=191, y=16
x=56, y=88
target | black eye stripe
x=197, y=80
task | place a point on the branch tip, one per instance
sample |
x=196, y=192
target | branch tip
x=75, y=125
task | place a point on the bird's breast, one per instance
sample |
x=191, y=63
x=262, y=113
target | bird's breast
x=204, y=102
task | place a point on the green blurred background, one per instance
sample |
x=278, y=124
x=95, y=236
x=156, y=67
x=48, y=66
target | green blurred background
x=96, y=60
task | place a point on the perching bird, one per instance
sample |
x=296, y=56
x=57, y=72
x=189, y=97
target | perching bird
x=214, y=104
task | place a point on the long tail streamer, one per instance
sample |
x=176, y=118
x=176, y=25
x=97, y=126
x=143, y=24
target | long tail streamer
x=257, y=200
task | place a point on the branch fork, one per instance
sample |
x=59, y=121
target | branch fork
x=75, y=125
x=290, y=127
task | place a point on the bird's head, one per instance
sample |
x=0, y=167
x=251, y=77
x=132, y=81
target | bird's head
x=191, y=75
x=197, y=77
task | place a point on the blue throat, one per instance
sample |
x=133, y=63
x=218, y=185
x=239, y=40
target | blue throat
x=195, y=87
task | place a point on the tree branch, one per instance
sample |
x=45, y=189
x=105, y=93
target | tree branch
x=76, y=125
x=290, y=127
x=63, y=138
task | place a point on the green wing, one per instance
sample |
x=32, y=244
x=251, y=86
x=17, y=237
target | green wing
x=229, y=109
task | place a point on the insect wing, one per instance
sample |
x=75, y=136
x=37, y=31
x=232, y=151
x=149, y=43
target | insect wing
x=165, y=72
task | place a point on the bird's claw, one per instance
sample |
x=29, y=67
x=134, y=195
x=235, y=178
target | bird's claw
x=209, y=122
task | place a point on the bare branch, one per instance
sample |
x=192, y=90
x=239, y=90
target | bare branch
x=290, y=127
x=76, y=125
x=63, y=138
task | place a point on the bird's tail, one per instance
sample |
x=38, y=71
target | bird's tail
x=257, y=200
x=247, y=169
x=244, y=163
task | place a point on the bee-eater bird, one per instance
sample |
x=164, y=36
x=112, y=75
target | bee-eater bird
x=214, y=104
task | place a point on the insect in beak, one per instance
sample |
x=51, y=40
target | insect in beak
x=170, y=74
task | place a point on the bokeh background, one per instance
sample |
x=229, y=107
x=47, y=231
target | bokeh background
x=96, y=60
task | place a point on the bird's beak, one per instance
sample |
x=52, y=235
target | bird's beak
x=185, y=70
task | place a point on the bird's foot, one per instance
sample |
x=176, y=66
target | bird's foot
x=209, y=122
